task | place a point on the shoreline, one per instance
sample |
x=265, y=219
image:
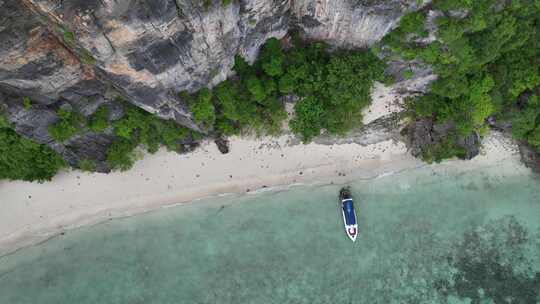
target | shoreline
x=33, y=213
x=29, y=221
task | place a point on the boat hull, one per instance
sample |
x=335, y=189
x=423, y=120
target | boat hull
x=349, y=214
x=350, y=230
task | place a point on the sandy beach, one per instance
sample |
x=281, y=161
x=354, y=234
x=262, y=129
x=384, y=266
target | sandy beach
x=33, y=212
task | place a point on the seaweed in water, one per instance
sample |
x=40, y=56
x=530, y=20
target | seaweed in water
x=491, y=263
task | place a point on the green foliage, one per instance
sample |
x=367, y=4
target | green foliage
x=272, y=58
x=68, y=37
x=4, y=124
x=413, y=23
x=207, y=4
x=534, y=138
x=69, y=124
x=338, y=85
x=139, y=127
x=241, y=66
x=408, y=74
x=526, y=121
x=202, y=108
x=333, y=87
x=120, y=155
x=410, y=26
x=236, y=109
x=226, y=2
x=484, y=60
x=309, y=115
x=287, y=84
x=99, y=120
x=443, y=150
x=87, y=58
x=27, y=103
x=256, y=88
x=87, y=165
x=23, y=159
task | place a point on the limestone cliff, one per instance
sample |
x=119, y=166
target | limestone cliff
x=83, y=53
x=349, y=23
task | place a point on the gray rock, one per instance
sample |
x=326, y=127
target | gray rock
x=150, y=49
x=499, y=125
x=418, y=83
x=425, y=133
x=222, y=144
x=530, y=157
x=471, y=143
x=379, y=130
x=349, y=23
x=82, y=54
x=33, y=62
x=34, y=122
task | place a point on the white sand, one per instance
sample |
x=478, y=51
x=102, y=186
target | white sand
x=385, y=102
x=32, y=212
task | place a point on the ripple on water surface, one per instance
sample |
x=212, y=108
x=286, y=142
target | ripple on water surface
x=425, y=237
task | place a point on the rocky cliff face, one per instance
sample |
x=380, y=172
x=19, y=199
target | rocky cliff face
x=349, y=23
x=146, y=50
x=82, y=53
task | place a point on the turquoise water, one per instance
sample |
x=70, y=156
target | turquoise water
x=426, y=237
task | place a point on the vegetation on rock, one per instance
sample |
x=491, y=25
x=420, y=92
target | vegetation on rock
x=87, y=165
x=27, y=103
x=68, y=124
x=138, y=127
x=98, y=122
x=486, y=55
x=333, y=88
x=23, y=159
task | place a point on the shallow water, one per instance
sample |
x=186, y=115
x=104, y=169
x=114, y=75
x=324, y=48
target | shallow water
x=425, y=237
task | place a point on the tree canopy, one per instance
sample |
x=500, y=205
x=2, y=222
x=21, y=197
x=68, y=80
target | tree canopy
x=485, y=58
x=23, y=159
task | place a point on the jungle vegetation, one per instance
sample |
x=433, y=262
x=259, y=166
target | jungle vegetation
x=485, y=53
x=333, y=88
x=23, y=159
x=486, y=56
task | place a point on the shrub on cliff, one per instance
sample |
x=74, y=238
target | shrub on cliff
x=138, y=127
x=23, y=159
x=333, y=87
x=99, y=120
x=526, y=121
x=68, y=124
x=485, y=57
x=272, y=58
x=202, y=108
x=120, y=155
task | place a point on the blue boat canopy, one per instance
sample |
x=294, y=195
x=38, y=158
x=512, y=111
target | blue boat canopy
x=348, y=210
